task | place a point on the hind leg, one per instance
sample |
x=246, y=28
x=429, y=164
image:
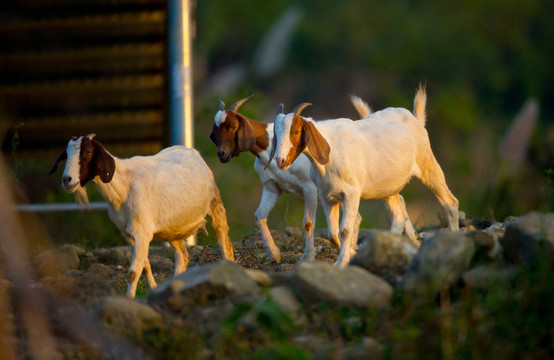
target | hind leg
x=182, y=256
x=400, y=222
x=218, y=218
x=433, y=178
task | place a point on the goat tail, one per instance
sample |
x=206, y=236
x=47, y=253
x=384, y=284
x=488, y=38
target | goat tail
x=361, y=106
x=420, y=102
x=218, y=217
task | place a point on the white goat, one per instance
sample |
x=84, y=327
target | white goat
x=163, y=197
x=234, y=133
x=373, y=158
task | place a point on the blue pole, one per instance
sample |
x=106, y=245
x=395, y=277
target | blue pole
x=180, y=73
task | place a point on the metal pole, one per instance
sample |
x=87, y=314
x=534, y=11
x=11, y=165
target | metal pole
x=59, y=207
x=180, y=72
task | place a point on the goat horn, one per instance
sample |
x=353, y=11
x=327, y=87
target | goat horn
x=280, y=109
x=221, y=105
x=236, y=105
x=297, y=110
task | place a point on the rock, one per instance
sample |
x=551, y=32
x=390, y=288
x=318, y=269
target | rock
x=279, y=311
x=120, y=255
x=98, y=270
x=317, y=344
x=260, y=277
x=284, y=297
x=527, y=237
x=58, y=261
x=351, y=286
x=204, y=283
x=385, y=254
x=126, y=315
x=366, y=348
x=484, y=276
x=441, y=260
x=294, y=232
x=487, y=244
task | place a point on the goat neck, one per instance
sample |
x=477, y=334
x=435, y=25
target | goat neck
x=115, y=191
x=262, y=133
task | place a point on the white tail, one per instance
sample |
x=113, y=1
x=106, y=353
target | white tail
x=361, y=106
x=420, y=102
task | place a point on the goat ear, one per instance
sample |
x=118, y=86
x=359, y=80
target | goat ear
x=105, y=164
x=61, y=157
x=272, y=152
x=317, y=145
x=212, y=137
x=246, y=138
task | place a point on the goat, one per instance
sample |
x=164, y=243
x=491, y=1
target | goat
x=234, y=133
x=373, y=158
x=164, y=197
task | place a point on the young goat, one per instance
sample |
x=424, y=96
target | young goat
x=234, y=133
x=373, y=158
x=163, y=197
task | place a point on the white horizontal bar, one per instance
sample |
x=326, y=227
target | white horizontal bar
x=59, y=207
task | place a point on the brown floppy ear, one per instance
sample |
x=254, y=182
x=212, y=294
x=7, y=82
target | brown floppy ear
x=61, y=157
x=213, y=137
x=317, y=145
x=246, y=138
x=105, y=164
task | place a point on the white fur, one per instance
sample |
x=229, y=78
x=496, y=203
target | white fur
x=372, y=158
x=162, y=197
x=220, y=117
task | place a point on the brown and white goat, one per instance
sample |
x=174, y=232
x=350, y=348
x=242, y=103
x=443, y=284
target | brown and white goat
x=163, y=197
x=234, y=133
x=373, y=158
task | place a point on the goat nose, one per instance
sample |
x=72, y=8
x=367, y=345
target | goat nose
x=280, y=162
x=66, y=180
x=221, y=153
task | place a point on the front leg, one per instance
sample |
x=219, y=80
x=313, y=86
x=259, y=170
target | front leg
x=310, y=208
x=270, y=195
x=349, y=220
x=147, y=267
x=139, y=262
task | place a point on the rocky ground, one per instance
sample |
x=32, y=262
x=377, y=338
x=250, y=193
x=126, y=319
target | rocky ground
x=445, y=299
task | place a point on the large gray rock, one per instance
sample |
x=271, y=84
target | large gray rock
x=366, y=348
x=58, y=261
x=441, y=260
x=350, y=286
x=126, y=315
x=204, y=283
x=120, y=255
x=384, y=254
x=284, y=297
x=485, y=276
x=528, y=236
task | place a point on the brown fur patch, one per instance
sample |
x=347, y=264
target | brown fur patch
x=296, y=138
x=94, y=161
